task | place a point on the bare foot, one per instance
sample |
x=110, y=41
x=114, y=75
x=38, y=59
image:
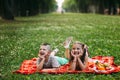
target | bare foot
x=67, y=42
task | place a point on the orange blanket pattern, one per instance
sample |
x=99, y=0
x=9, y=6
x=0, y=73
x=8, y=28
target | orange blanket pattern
x=98, y=65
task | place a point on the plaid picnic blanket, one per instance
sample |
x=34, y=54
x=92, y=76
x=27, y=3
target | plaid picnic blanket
x=98, y=65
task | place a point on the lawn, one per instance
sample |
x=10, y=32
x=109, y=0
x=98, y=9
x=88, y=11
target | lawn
x=20, y=40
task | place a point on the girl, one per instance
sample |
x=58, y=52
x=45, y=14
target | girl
x=78, y=56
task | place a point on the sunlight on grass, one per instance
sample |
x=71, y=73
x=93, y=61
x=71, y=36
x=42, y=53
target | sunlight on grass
x=20, y=40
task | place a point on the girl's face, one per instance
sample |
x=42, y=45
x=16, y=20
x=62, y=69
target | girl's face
x=77, y=49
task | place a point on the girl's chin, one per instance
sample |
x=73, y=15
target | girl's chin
x=75, y=53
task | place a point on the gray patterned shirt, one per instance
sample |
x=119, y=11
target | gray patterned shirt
x=51, y=63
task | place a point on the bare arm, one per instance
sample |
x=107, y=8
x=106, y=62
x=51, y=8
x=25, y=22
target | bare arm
x=40, y=65
x=83, y=65
x=73, y=64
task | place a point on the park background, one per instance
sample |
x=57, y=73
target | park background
x=25, y=24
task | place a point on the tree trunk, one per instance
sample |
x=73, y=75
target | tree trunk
x=7, y=12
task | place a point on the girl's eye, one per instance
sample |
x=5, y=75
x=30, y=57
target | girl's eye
x=78, y=48
x=73, y=48
x=44, y=49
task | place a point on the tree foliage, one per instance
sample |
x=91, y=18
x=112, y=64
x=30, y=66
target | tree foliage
x=70, y=5
x=94, y=6
x=11, y=8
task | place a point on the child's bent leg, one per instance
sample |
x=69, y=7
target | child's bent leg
x=67, y=53
x=54, y=52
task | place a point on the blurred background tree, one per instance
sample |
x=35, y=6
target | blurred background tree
x=11, y=8
x=93, y=6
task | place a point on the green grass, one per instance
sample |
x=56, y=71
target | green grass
x=20, y=40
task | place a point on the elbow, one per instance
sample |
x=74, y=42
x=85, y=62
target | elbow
x=39, y=68
x=72, y=69
x=83, y=68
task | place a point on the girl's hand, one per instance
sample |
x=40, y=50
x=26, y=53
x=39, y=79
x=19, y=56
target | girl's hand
x=79, y=54
x=73, y=54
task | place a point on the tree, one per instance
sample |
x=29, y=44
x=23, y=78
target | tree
x=71, y=5
x=47, y=5
x=6, y=9
x=27, y=7
x=11, y=8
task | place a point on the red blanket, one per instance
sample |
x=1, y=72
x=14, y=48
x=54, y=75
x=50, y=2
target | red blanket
x=98, y=64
